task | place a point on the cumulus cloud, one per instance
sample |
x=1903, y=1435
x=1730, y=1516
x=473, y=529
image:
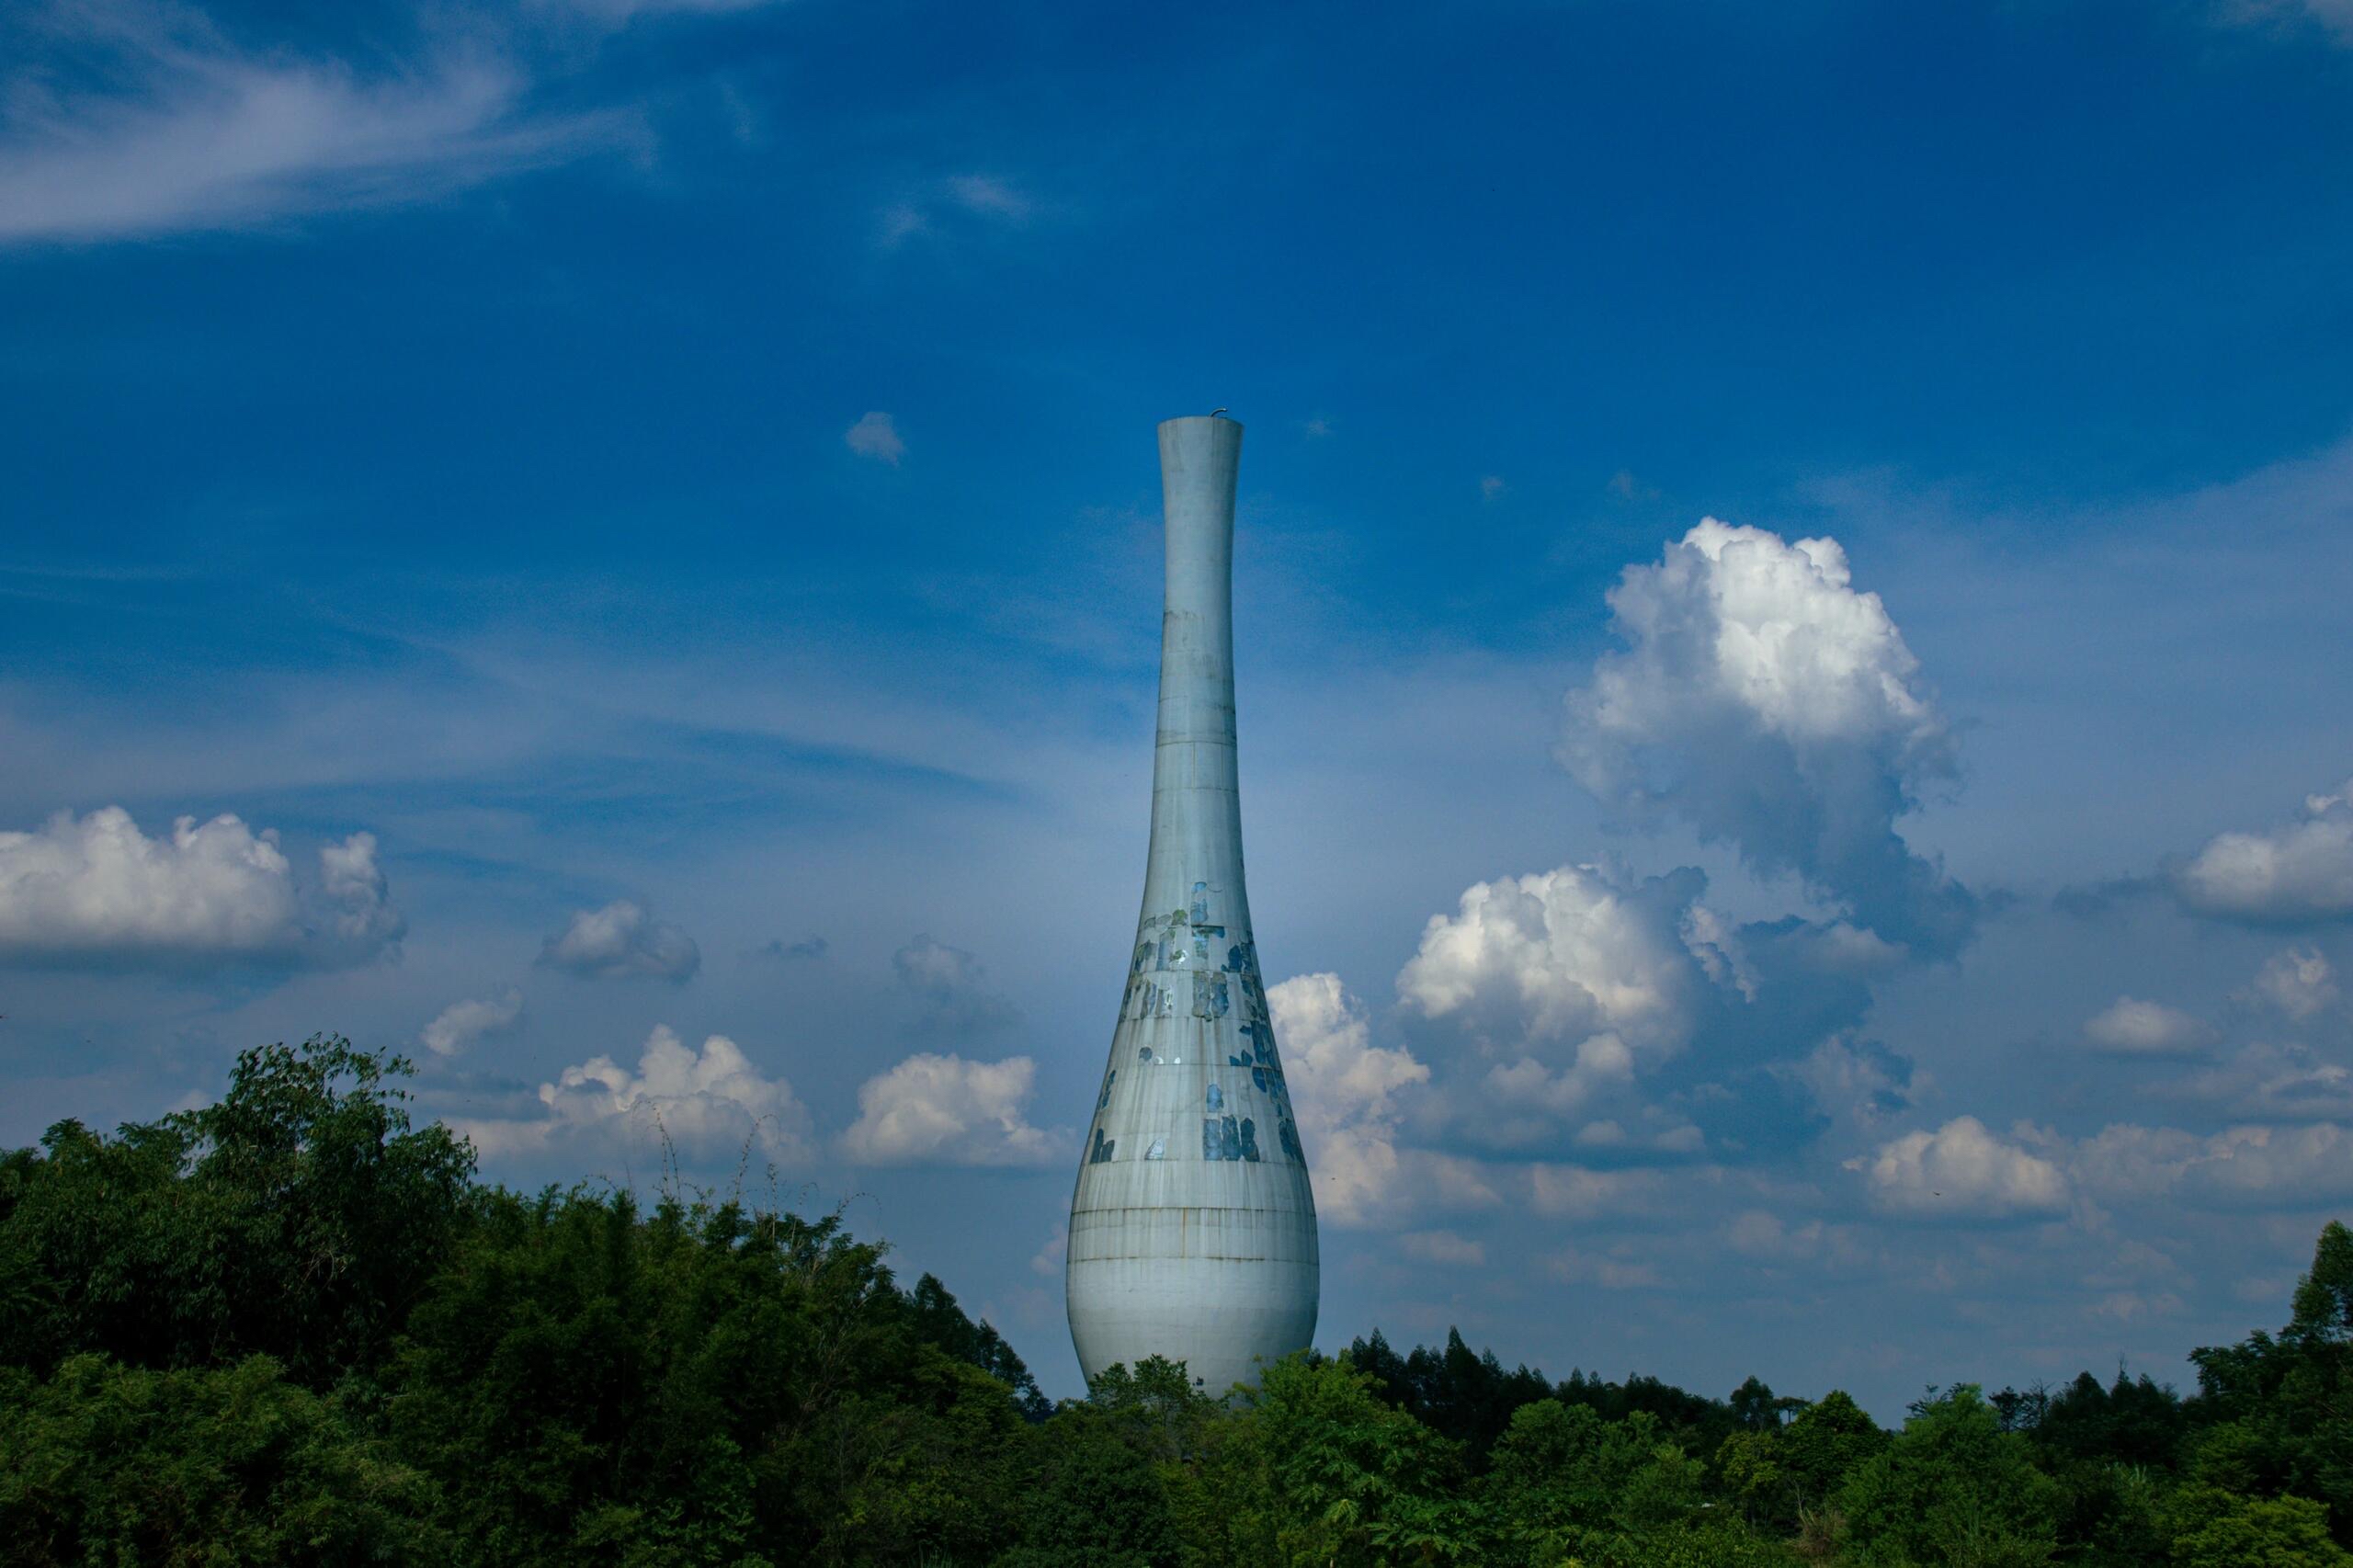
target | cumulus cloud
x=2298, y=982
x=951, y=987
x=2252, y=1167
x=944, y=1110
x=96, y=891
x=354, y=897
x=461, y=1024
x=2297, y=874
x=621, y=940
x=2130, y=1027
x=2269, y=1082
x=874, y=436
x=1856, y=1082
x=1571, y=983
x=1770, y=706
x=1348, y=1094
x=170, y=128
x=1961, y=1171
x=1602, y=1062
x=1562, y=956
x=710, y=1105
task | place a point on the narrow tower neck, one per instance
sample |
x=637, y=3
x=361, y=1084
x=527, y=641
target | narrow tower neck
x=1196, y=803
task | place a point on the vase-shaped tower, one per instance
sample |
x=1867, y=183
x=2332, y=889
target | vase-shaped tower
x=1192, y=1232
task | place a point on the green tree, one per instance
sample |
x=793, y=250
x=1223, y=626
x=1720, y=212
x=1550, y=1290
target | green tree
x=2254, y=1532
x=1566, y=1485
x=1091, y=1498
x=1314, y=1470
x=1782, y=1477
x=1954, y=1489
x=2282, y=1409
x=704, y=1384
x=298, y=1217
x=103, y=1463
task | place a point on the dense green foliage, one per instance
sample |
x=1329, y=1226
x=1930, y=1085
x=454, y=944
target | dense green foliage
x=293, y=1327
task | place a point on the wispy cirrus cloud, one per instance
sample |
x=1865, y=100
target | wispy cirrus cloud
x=967, y=201
x=2332, y=17
x=119, y=123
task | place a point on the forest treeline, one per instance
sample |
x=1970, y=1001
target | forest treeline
x=294, y=1327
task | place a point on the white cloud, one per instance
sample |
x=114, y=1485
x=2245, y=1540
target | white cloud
x=1766, y=703
x=616, y=13
x=900, y=222
x=875, y=436
x=2255, y=1166
x=2269, y=1082
x=2300, y=872
x=1326, y=1043
x=622, y=938
x=1717, y=947
x=944, y=1110
x=2130, y=1027
x=1048, y=1258
x=1602, y=1062
x=1443, y=1248
x=1961, y=1170
x=2298, y=982
x=1839, y=948
x=1609, y=1271
x=354, y=894
x=1561, y=956
x=1347, y=1094
x=2332, y=17
x=1759, y=1233
x=967, y=201
x=952, y=987
x=710, y=1106
x=174, y=128
x=1575, y=1192
x=97, y=889
x=989, y=196
x=461, y=1024
x=1857, y=1083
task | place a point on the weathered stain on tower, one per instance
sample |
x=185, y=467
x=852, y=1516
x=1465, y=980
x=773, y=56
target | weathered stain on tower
x=1192, y=1232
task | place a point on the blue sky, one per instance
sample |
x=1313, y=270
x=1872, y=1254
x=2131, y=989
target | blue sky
x=645, y=515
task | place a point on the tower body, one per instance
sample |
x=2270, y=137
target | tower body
x=1192, y=1231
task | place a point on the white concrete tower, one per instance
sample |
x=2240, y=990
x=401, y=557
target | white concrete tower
x=1192, y=1232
